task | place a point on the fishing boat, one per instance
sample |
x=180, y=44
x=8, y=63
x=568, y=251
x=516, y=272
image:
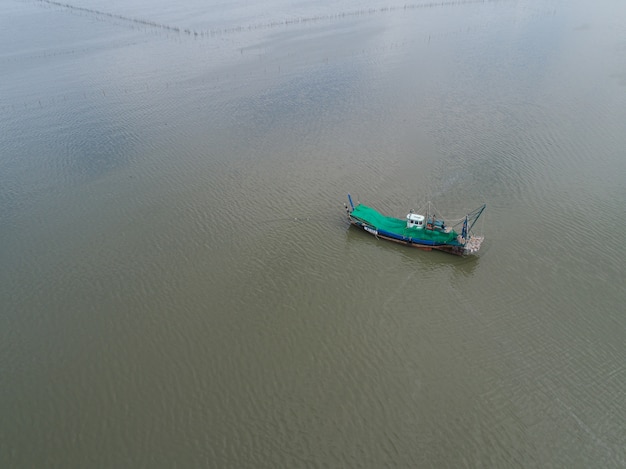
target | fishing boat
x=424, y=230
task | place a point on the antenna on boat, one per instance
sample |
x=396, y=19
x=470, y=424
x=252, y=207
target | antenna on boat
x=350, y=200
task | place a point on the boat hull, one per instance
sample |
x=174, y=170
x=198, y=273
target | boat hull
x=424, y=245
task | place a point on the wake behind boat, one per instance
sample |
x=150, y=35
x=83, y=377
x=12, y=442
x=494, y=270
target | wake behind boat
x=426, y=231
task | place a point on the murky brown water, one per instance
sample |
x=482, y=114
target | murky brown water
x=179, y=286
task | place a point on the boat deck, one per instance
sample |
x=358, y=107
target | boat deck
x=397, y=226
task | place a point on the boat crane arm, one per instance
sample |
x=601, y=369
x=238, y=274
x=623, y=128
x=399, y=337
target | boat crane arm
x=473, y=216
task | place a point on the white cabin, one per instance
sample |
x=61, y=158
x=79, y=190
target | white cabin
x=413, y=220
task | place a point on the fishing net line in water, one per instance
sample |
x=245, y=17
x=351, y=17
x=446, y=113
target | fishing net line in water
x=293, y=19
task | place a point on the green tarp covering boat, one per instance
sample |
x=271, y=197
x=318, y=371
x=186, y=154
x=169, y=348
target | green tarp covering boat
x=422, y=231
